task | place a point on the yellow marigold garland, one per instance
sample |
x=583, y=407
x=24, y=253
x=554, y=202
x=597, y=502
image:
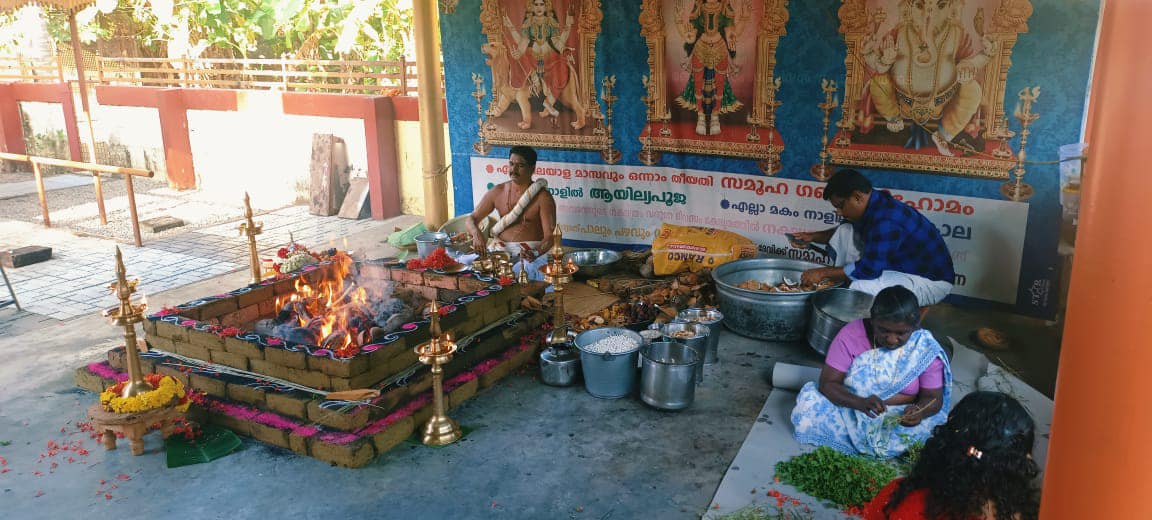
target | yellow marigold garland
x=168, y=390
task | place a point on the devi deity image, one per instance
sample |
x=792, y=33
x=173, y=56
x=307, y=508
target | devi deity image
x=710, y=30
x=924, y=73
x=541, y=65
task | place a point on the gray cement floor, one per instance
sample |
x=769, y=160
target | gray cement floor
x=536, y=451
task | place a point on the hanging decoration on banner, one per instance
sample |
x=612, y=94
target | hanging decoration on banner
x=481, y=145
x=610, y=154
x=822, y=171
x=925, y=84
x=542, y=57
x=626, y=205
x=711, y=87
x=1018, y=189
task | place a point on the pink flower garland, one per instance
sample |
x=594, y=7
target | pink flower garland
x=105, y=370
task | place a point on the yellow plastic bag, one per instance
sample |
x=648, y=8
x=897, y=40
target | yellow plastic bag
x=690, y=248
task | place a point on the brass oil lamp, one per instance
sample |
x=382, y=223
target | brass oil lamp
x=127, y=315
x=440, y=430
x=558, y=273
x=559, y=362
x=251, y=229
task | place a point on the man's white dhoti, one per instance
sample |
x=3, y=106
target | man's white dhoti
x=846, y=245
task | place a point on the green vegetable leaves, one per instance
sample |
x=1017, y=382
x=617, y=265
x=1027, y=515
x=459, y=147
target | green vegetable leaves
x=845, y=480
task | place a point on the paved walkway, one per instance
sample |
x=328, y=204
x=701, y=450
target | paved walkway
x=75, y=282
x=53, y=182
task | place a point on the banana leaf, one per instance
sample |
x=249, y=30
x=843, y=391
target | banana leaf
x=214, y=443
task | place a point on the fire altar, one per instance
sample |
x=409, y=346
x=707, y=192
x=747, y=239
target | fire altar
x=263, y=358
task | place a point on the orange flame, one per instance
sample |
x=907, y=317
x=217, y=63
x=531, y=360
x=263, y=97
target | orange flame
x=333, y=304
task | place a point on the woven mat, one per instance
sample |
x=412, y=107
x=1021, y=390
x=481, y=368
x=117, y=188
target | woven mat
x=583, y=300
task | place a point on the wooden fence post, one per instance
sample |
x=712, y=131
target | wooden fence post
x=40, y=191
x=403, y=76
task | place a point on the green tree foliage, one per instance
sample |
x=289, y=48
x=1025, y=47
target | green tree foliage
x=301, y=29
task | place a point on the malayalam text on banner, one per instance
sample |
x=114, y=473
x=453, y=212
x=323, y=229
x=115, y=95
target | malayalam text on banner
x=625, y=205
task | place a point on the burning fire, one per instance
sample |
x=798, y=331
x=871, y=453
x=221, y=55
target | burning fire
x=334, y=314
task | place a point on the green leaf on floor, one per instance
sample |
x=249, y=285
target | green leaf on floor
x=5, y=443
x=214, y=443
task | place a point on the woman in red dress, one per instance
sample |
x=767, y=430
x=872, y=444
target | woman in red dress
x=978, y=465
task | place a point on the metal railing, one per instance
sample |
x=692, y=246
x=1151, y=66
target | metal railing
x=96, y=170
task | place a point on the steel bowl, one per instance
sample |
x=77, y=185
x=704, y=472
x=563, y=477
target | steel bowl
x=759, y=314
x=594, y=263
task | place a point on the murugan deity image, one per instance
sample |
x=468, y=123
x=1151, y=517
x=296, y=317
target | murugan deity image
x=924, y=72
x=541, y=65
x=710, y=30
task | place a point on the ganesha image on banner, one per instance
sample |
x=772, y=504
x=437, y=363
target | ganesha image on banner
x=923, y=76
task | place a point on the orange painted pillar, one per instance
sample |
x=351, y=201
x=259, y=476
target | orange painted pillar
x=1099, y=456
x=383, y=169
x=173, y=113
x=11, y=124
x=71, y=123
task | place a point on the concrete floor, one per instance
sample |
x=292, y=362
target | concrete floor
x=535, y=451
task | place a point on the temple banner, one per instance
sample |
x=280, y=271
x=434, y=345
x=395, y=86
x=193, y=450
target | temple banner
x=626, y=204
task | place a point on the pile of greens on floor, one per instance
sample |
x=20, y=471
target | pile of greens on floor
x=755, y=512
x=845, y=480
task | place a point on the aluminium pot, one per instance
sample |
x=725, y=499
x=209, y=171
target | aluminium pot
x=607, y=375
x=831, y=311
x=428, y=242
x=692, y=335
x=559, y=365
x=668, y=376
x=772, y=316
x=711, y=318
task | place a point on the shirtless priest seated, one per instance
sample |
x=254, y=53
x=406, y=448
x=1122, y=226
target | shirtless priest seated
x=527, y=212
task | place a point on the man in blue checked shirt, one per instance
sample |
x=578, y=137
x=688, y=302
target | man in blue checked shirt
x=884, y=243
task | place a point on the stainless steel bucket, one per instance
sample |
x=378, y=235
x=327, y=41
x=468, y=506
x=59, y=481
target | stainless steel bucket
x=831, y=311
x=428, y=242
x=608, y=376
x=711, y=318
x=668, y=376
x=559, y=366
x=692, y=335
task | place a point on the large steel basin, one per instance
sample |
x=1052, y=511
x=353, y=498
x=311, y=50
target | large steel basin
x=758, y=314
